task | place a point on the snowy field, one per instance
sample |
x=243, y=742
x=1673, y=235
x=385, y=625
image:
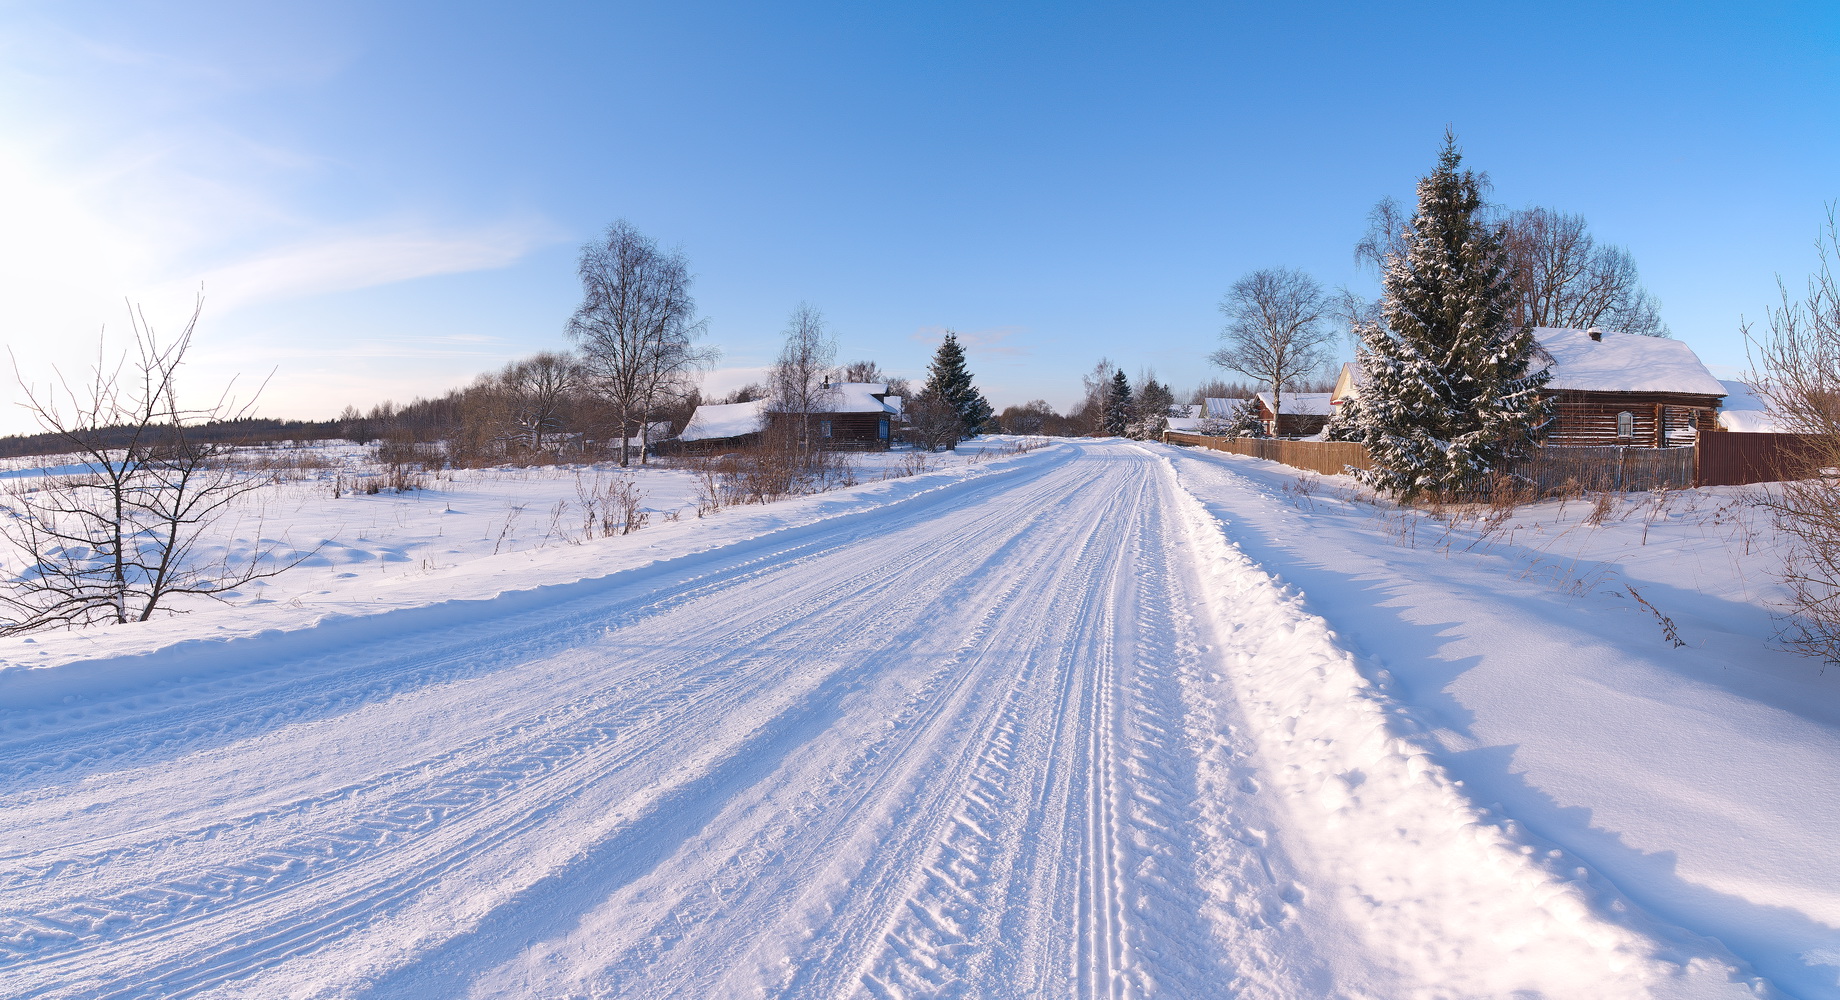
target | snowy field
x=1101, y=719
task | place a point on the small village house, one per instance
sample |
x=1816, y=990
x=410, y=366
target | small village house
x=856, y=416
x=1624, y=389
x=1613, y=389
x=1305, y=413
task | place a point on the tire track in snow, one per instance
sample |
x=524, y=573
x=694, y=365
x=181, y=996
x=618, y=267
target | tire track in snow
x=652, y=966
x=790, y=613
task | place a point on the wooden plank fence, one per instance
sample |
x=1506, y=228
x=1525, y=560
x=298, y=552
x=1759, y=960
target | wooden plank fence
x=1722, y=458
x=1326, y=457
x=1735, y=458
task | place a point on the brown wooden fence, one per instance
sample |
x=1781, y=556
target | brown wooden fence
x=1723, y=458
x=1734, y=458
x=1326, y=457
x=1616, y=468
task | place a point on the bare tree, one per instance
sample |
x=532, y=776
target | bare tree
x=117, y=541
x=536, y=392
x=1797, y=363
x=1387, y=224
x=1096, y=385
x=863, y=371
x=1567, y=279
x=800, y=381
x=1031, y=417
x=1275, y=331
x=636, y=326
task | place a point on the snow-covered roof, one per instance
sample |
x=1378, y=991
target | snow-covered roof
x=1624, y=362
x=857, y=397
x=1223, y=409
x=714, y=421
x=1302, y=404
x=1749, y=408
x=1185, y=423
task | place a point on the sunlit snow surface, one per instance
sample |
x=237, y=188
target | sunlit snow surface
x=1101, y=720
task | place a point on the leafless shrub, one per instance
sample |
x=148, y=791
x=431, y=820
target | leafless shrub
x=117, y=541
x=1300, y=490
x=609, y=505
x=912, y=463
x=1797, y=362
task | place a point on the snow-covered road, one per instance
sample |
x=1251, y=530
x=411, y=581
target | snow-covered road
x=1043, y=732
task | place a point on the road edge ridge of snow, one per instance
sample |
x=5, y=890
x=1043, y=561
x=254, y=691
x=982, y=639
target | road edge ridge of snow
x=1448, y=895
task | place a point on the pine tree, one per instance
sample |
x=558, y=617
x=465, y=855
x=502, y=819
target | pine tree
x=948, y=381
x=1154, y=401
x=1245, y=422
x=1119, y=407
x=1449, y=393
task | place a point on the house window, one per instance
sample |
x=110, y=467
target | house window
x=824, y=428
x=1625, y=425
x=881, y=430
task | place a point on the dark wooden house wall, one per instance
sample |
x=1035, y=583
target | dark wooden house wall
x=1661, y=419
x=849, y=431
x=1294, y=424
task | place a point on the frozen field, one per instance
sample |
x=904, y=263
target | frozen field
x=1097, y=720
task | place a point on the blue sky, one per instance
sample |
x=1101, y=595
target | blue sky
x=381, y=200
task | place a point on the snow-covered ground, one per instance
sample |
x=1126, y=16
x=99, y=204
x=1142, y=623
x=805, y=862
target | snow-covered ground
x=1100, y=719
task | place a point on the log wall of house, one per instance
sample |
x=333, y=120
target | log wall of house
x=857, y=431
x=1588, y=419
x=1293, y=424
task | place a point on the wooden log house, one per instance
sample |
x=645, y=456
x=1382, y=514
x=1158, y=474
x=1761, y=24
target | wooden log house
x=1304, y=414
x=854, y=416
x=1623, y=389
x=1613, y=389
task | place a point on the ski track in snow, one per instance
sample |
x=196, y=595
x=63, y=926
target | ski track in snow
x=1027, y=735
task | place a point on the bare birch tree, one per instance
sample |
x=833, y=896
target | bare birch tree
x=636, y=326
x=1275, y=331
x=800, y=382
x=118, y=540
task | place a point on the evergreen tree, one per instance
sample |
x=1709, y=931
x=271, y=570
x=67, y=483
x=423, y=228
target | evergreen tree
x=1448, y=394
x=1345, y=422
x=1119, y=407
x=1154, y=401
x=948, y=382
x=1245, y=422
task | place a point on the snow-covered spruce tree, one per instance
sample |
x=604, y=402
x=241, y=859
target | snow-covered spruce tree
x=1120, y=408
x=1450, y=393
x=1154, y=401
x=949, y=385
x=1345, y=421
x=1245, y=422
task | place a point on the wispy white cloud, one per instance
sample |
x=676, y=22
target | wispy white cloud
x=120, y=182
x=363, y=260
x=993, y=341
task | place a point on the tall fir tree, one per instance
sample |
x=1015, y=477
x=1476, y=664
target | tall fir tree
x=1450, y=390
x=948, y=380
x=1153, y=403
x=1120, y=408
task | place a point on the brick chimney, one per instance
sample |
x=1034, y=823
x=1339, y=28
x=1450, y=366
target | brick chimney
x=1595, y=334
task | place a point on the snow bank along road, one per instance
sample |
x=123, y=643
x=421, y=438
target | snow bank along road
x=1040, y=733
